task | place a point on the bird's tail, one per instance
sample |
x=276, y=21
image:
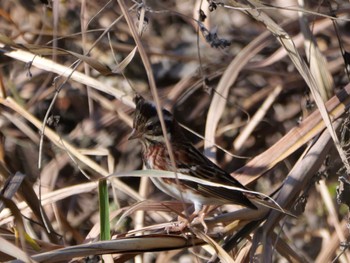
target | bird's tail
x=257, y=200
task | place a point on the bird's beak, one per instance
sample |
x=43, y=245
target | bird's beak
x=134, y=135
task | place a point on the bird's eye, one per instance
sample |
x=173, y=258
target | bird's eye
x=149, y=127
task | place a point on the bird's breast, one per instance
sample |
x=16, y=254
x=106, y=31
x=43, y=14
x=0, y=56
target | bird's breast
x=155, y=157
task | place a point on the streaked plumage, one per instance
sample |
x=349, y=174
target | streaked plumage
x=188, y=160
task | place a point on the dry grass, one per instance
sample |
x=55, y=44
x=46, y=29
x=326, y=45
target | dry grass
x=262, y=89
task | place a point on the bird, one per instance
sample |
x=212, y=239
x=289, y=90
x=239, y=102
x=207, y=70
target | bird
x=188, y=161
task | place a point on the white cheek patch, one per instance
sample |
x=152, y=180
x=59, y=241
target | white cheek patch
x=158, y=138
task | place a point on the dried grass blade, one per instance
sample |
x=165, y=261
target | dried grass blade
x=317, y=62
x=149, y=205
x=138, y=244
x=51, y=66
x=331, y=246
x=218, y=102
x=60, y=142
x=301, y=175
x=151, y=81
x=27, y=192
x=248, y=129
x=301, y=66
x=19, y=225
x=298, y=40
x=333, y=213
x=294, y=139
x=221, y=253
x=54, y=196
x=126, y=61
x=11, y=186
x=10, y=249
x=49, y=51
x=287, y=251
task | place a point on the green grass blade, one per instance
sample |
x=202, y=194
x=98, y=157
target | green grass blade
x=104, y=210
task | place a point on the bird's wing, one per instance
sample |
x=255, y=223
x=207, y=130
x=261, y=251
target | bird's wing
x=199, y=166
x=193, y=163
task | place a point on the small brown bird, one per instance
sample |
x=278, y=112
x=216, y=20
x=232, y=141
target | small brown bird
x=189, y=161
